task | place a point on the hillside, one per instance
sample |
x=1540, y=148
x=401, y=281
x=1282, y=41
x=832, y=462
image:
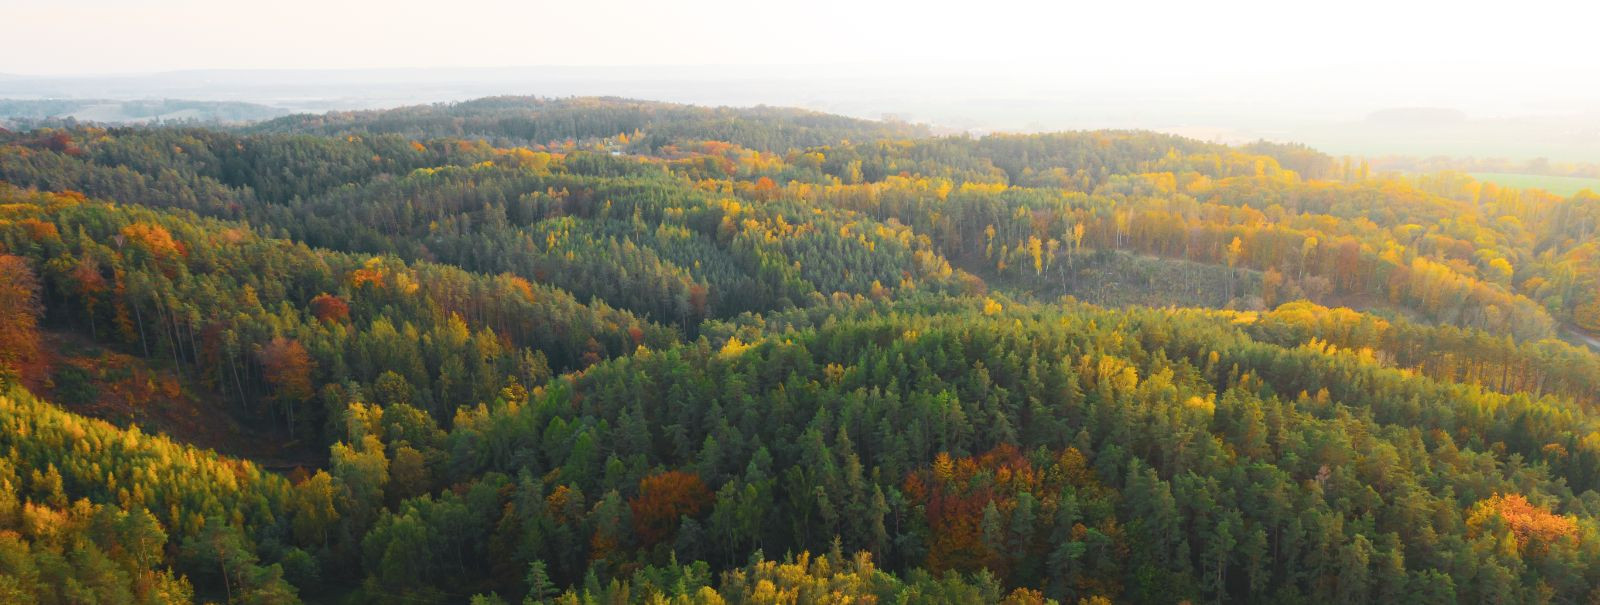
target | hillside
x=26, y=111
x=543, y=121
x=601, y=350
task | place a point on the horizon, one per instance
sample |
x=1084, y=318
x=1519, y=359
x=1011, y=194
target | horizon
x=975, y=102
x=1403, y=53
x=1235, y=71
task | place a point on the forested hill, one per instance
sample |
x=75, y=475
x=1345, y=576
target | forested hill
x=535, y=120
x=598, y=350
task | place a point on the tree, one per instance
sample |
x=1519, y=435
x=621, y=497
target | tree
x=1271, y=280
x=663, y=499
x=1235, y=252
x=89, y=284
x=1587, y=313
x=153, y=239
x=1355, y=570
x=540, y=588
x=1077, y=241
x=313, y=505
x=611, y=527
x=1534, y=528
x=287, y=367
x=19, y=316
x=1307, y=247
x=408, y=474
x=363, y=471
x=329, y=308
x=1219, y=544
x=223, y=549
x=142, y=538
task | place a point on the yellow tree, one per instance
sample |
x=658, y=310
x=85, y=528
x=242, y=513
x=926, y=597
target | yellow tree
x=1235, y=251
x=313, y=504
x=1077, y=237
x=1036, y=252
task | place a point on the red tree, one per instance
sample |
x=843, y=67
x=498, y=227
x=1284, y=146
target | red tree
x=663, y=499
x=19, y=314
x=287, y=366
x=330, y=309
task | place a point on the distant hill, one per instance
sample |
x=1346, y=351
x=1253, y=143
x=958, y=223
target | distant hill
x=524, y=120
x=135, y=111
x=1416, y=116
x=1430, y=132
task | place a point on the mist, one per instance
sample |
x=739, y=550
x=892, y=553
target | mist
x=1366, y=77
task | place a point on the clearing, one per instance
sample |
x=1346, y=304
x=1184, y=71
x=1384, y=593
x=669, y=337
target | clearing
x=1559, y=185
x=89, y=379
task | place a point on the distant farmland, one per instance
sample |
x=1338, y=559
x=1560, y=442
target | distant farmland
x=1559, y=185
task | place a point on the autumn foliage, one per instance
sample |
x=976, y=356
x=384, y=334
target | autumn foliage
x=1533, y=527
x=287, y=367
x=958, y=494
x=40, y=231
x=779, y=316
x=330, y=309
x=663, y=499
x=59, y=141
x=19, y=313
x=154, y=239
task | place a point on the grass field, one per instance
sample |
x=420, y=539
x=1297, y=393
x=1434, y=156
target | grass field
x=1559, y=185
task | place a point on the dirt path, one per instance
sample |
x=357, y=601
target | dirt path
x=1578, y=335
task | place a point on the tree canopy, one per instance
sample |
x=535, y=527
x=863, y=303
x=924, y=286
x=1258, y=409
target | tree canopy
x=601, y=350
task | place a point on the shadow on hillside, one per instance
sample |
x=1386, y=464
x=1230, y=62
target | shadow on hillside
x=89, y=379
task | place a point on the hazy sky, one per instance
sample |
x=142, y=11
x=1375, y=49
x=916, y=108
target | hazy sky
x=1486, y=58
x=1178, y=38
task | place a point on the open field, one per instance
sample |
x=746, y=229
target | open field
x=1559, y=185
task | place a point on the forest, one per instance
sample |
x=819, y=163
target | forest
x=601, y=350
